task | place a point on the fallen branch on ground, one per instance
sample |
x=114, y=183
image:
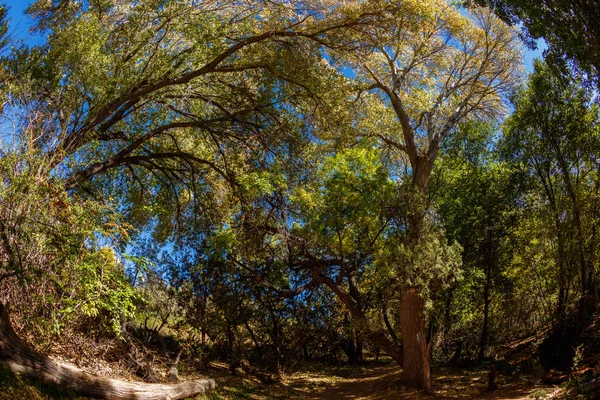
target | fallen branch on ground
x=20, y=358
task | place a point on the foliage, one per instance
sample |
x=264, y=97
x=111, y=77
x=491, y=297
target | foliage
x=570, y=29
x=555, y=141
x=263, y=183
x=476, y=197
x=103, y=292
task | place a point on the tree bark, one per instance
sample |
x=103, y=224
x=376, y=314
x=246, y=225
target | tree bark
x=416, y=372
x=416, y=356
x=388, y=325
x=20, y=358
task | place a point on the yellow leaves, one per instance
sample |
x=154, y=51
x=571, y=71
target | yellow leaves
x=107, y=258
x=425, y=9
x=420, y=98
x=443, y=63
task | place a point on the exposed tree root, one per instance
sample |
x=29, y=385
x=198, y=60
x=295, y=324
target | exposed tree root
x=19, y=357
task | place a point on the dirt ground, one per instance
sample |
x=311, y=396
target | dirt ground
x=380, y=381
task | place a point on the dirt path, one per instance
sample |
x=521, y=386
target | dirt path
x=381, y=381
x=377, y=383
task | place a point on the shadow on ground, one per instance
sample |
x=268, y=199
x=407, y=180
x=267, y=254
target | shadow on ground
x=380, y=381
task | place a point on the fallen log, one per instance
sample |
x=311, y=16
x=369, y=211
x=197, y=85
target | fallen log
x=20, y=358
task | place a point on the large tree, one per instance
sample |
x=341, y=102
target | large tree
x=196, y=109
x=174, y=96
x=433, y=67
x=413, y=77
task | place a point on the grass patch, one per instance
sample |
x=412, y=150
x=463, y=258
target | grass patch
x=244, y=391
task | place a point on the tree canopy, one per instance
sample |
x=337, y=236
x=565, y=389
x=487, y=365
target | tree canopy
x=271, y=183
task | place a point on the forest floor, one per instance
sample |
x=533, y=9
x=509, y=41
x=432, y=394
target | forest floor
x=379, y=381
x=371, y=381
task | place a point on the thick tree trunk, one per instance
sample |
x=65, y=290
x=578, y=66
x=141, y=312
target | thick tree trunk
x=353, y=348
x=416, y=358
x=412, y=314
x=21, y=358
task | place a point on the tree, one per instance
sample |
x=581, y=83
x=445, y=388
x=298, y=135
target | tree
x=148, y=86
x=570, y=29
x=205, y=121
x=476, y=197
x=554, y=134
x=167, y=92
x=434, y=68
x=422, y=69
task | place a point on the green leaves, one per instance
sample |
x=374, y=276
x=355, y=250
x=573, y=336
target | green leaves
x=570, y=30
x=553, y=138
x=273, y=147
x=257, y=184
x=346, y=202
x=48, y=240
x=100, y=291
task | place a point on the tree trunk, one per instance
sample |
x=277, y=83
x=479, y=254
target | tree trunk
x=416, y=372
x=457, y=354
x=447, y=321
x=276, y=343
x=21, y=358
x=359, y=347
x=305, y=351
x=486, y=312
x=257, y=346
x=388, y=325
x=416, y=356
x=350, y=351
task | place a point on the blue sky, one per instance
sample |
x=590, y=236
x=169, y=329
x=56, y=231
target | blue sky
x=20, y=24
x=532, y=55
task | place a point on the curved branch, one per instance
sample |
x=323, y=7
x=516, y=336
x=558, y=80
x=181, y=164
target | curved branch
x=113, y=111
x=121, y=158
x=283, y=293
